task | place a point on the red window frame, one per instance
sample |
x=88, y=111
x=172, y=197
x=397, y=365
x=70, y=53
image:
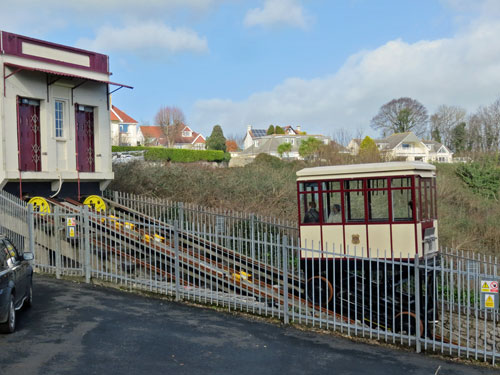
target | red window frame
x=418, y=189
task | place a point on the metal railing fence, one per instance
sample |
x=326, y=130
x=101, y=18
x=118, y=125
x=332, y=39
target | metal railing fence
x=431, y=304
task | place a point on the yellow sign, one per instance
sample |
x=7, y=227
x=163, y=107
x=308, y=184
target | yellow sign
x=71, y=233
x=71, y=222
x=489, y=301
x=485, y=287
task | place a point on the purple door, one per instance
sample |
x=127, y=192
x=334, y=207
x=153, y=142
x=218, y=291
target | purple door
x=85, y=160
x=28, y=124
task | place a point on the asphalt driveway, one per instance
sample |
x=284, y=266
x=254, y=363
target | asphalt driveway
x=82, y=329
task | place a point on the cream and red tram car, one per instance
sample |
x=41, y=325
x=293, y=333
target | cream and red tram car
x=357, y=213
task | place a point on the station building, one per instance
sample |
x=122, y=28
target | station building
x=54, y=119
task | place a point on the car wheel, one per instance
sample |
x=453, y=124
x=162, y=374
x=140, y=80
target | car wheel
x=10, y=325
x=29, y=301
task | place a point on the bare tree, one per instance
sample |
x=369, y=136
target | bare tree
x=444, y=121
x=171, y=120
x=401, y=115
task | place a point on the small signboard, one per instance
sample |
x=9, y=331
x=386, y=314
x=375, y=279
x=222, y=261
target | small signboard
x=489, y=294
x=70, y=227
x=489, y=301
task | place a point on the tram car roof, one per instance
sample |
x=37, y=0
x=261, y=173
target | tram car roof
x=367, y=170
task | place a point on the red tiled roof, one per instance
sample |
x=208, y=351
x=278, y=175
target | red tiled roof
x=179, y=139
x=152, y=132
x=156, y=132
x=117, y=114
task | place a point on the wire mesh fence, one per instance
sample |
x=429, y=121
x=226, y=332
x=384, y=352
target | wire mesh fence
x=433, y=304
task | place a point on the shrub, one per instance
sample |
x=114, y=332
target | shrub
x=185, y=156
x=483, y=177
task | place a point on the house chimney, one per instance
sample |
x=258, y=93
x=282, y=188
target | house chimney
x=298, y=129
x=249, y=127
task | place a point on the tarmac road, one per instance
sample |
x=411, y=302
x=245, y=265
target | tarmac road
x=82, y=329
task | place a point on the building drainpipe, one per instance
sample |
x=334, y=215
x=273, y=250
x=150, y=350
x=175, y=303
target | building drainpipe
x=76, y=149
x=19, y=150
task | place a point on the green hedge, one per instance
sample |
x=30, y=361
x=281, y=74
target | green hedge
x=184, y=156
x=176, y=154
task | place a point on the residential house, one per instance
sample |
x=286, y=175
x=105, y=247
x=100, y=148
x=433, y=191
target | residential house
x=183, y=137
x=407, y=146
x=253, y=134
x=54, y=118
x=269, y=145
x=123, y=128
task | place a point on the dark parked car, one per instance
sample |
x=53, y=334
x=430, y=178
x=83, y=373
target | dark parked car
x=16, y=289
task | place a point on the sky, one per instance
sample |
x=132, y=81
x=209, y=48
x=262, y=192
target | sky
x=326, y=65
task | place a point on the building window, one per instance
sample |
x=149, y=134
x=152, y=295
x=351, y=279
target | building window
x=59, y=118
x=187, y=134
x=406, y=145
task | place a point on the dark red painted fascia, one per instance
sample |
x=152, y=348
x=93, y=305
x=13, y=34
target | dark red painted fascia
x=12, y=45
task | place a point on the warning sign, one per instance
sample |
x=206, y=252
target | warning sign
x=489, y=301
x=489, y=294
x=489, y=286
x=494, y=287
x=70, y=227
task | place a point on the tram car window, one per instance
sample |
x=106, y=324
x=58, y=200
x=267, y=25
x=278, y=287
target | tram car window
x=354, y=201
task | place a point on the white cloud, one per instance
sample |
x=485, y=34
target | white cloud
x=462, y=70
x=148, y=39
x=29, y=17
x=277, y=12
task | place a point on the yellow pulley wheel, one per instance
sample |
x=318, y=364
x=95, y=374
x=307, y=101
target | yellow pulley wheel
x=40, y=205
x=95, y=202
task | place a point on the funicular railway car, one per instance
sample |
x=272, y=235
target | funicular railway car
x=361, y=229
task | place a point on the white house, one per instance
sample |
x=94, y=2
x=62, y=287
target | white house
x=124, y=129
x=409, y=147
x=183, y=137
x=54, y=118
x=252, y=134
x=269, y=145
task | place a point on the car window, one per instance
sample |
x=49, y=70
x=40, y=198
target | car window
x=12, y=255
x=12, y=249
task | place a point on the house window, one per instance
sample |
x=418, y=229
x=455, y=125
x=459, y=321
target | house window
x=405, y=145
x=186, y=133
x=59, y=118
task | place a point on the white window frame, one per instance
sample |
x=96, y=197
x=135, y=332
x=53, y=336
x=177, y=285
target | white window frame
x=60, y=132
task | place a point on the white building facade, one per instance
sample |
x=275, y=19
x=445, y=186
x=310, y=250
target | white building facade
x=54, y=118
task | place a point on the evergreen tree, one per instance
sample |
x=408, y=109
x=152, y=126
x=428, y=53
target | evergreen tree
x=368, y=150
x=284, y=148
x=278, y=130
x=309, y=148
x=459, y=137
x=270, y=130
x=216, y=141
